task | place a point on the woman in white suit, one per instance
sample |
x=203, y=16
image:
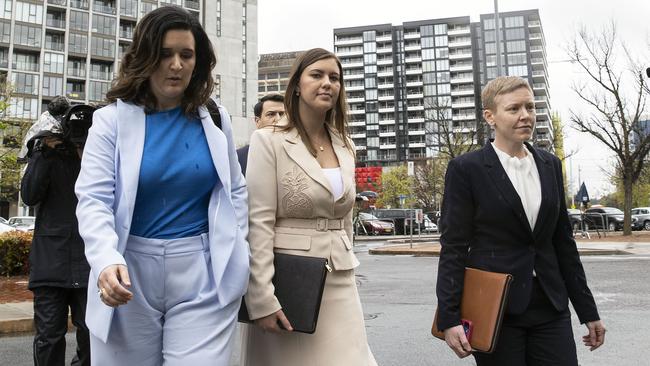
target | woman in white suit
x=301, y=194
x=162, y=206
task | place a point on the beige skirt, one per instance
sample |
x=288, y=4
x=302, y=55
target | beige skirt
x=340, y=337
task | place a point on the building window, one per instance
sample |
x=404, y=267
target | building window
x=518, y=70
x=512, y=22
x=442, y=65
x=25, y=61
x=369, y=36
x=27, y=36
x=440, y=29
x=30, y=13
x=442, y=41
x=369, y=47
x=79, y=4
x=52, y=86
x=53, y=62
x=517, y=58
x=515, y=33
x=5, y=32
x=146, y=7
x=102, y=71
x=54, y=41
x=103, y=24
x=77, y=68
x=426, y=42
x=97, y=90
x=25, y=83
x=104, y=6
x=24, y=108
x=516, y=46
x=5, y=9
x=129, y=8
x=428, y=54
x=78, y=43
x=426, y=30
x=78, y=20
x=102, y=47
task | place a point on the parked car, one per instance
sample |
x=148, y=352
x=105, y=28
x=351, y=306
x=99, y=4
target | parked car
x=23, y=223
x=642, y=215
x=3, y=220
x=610, y=218
x=4, y=228
x=401, y=217
x=429, y=226
x=575, y=218
x=374, y=226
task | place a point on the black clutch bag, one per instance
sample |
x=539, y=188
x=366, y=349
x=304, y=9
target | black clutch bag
x=299, y=282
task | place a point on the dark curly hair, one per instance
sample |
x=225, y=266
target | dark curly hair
x=143, y=58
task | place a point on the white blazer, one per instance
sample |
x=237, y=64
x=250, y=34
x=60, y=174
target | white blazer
x=107, y=186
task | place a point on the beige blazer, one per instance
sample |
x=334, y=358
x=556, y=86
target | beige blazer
x=293, y=210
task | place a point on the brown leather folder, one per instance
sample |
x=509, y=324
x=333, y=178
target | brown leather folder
x=483, y=303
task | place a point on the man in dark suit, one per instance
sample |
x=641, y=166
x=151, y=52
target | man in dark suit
x=267, y=111
x=504, y=211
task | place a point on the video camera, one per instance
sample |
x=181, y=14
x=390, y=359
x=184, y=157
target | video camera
x=74, y=120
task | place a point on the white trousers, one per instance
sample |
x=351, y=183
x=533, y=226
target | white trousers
x=174, y=317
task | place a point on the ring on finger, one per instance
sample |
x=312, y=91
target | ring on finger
x=101, y=292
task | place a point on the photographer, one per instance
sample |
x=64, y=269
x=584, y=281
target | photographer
x=58, y=267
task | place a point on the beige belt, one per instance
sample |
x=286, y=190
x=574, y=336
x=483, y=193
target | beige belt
x=319, y=224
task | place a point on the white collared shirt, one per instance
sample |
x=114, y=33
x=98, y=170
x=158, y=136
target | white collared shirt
x=524, y=177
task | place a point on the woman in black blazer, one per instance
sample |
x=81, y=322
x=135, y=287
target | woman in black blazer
x=504, y=211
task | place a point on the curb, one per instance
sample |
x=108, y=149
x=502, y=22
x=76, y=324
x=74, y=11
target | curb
x=16, y=326
x=435, y=252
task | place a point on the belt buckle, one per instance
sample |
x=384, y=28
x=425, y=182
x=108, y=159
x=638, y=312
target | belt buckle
x=322, y=224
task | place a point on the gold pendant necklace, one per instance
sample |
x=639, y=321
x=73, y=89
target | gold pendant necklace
x=321, y=148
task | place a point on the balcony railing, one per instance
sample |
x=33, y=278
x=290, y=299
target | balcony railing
x=54, y=46
x=56, y=23
x=106, y=9
x=79, y=4
x=77, y=72
x=57, y=2
x=192, y=4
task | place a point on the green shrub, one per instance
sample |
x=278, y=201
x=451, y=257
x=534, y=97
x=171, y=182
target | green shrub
x=14, y=253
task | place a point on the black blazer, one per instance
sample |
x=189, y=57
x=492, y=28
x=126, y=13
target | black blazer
x=484, y=226
x=242, y=156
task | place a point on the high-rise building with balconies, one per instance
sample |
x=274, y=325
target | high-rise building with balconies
x=408, y=85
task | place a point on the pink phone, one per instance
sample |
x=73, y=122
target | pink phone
x=468, y=327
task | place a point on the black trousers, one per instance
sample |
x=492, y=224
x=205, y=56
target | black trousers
x=540, y=336
x=51, y=306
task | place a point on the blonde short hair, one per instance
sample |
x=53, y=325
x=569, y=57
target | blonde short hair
x=499, y=86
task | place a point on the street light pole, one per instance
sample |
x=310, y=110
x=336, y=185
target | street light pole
x=497, y=27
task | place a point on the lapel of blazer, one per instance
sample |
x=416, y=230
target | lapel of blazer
x=218, y=148
x=346, y=160
x=131, y=133
x=504, y=185
x=298, y=152
x=546, y=178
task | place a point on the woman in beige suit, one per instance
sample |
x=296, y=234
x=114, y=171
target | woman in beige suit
x=301, y=192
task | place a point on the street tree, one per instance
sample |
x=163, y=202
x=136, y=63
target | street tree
x=429, y=183
x=12, y=131
x=615, y=93
x=395, y=183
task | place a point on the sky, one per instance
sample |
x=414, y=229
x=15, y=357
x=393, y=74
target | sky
x=292, y=25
